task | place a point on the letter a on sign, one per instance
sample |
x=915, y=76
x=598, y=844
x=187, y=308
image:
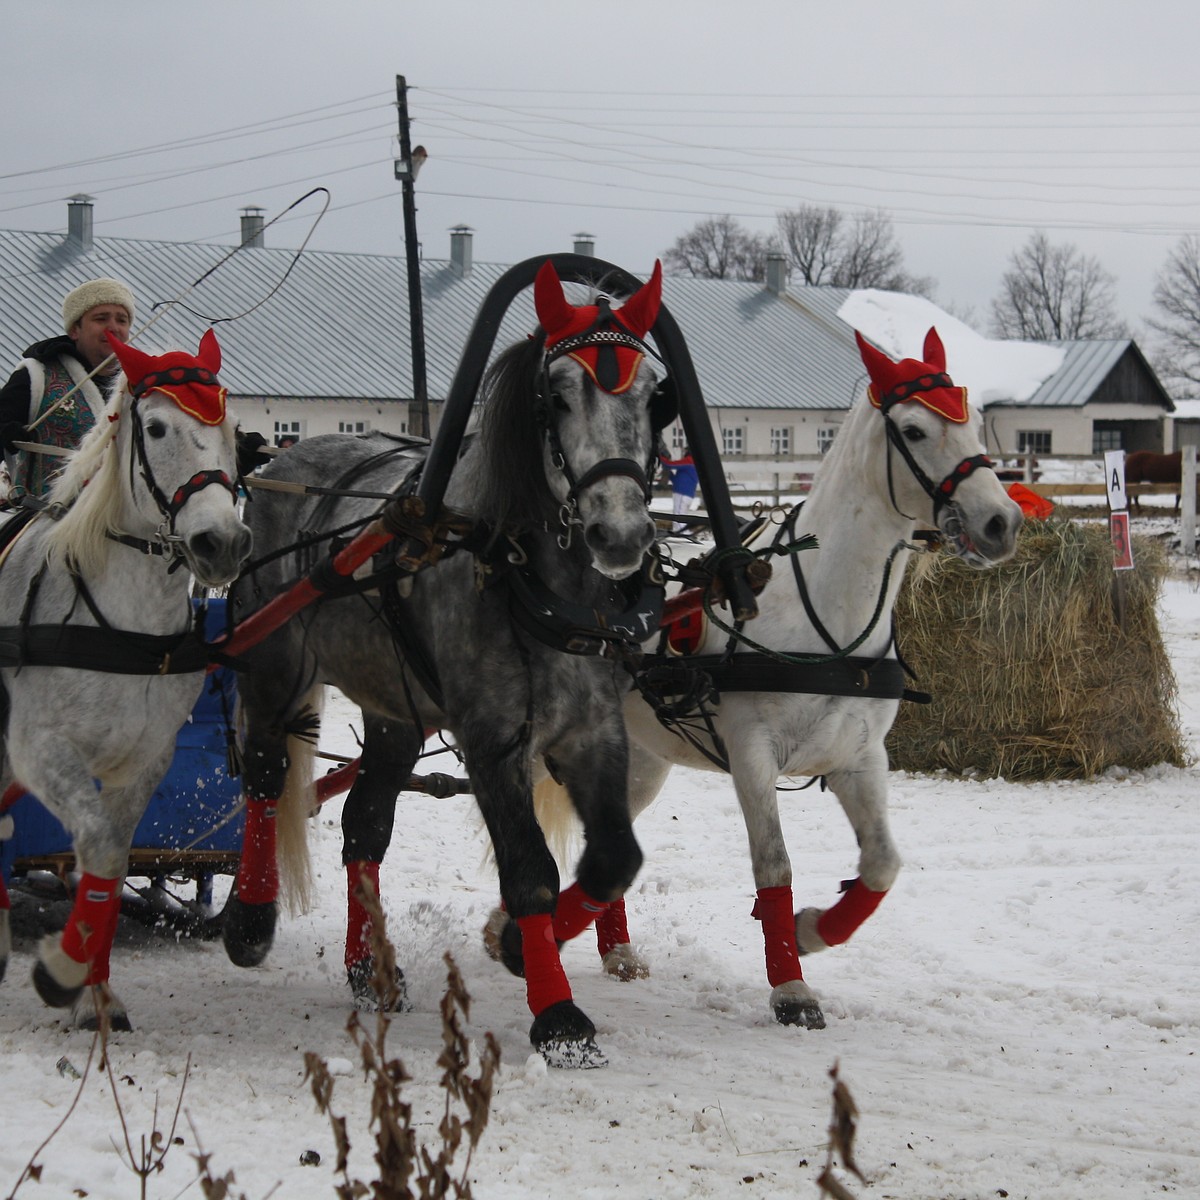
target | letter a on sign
x=1114, y=474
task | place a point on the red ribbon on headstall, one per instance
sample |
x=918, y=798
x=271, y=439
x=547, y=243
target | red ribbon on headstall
x=191, y=383
x=925, y=382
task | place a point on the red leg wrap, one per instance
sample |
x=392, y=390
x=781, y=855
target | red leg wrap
x=92, y=924
x=611, y=929
x=5, y=902
x=576, y=910
x=258, y=872
x=774, y=909
x=104, y=943
x=545, y=980
x=836, y=924
x=358, y=920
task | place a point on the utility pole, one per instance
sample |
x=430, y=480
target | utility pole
x=407, y=166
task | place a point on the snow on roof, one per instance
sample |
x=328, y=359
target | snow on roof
x=991, y=370
x=1187, y=410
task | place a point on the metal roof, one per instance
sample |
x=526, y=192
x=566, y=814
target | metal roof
x=1086, y=365
x=337, y=327
x=331, y=325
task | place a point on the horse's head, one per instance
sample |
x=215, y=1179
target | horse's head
x=598, y=407
x=933, y=429
x=182, y=463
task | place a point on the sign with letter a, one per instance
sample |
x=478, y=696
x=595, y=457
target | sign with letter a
x=1114, y=478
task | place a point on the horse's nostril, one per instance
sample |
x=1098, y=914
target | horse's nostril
x=202, y=545
x=598, y=536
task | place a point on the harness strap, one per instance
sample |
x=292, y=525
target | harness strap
x=877, y=679
x=92, y=649
x=580, y=628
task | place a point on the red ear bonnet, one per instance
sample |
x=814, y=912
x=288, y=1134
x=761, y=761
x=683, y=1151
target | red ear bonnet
x=925, y=382
x=190, y=382
x=612, y=364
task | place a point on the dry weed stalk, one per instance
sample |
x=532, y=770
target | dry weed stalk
x=842, y=1127
x=33, y=1169
x=399, y=1153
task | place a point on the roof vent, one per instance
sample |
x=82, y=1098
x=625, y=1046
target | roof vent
x=777, y=273
x=252, y=226
x=79, y=220
x=460, y=250
x=585, y=243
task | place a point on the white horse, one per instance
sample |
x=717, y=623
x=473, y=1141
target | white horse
x=99, y=660
x=909, y=454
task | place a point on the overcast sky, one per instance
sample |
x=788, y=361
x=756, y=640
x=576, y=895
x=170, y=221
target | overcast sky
x=544, y=118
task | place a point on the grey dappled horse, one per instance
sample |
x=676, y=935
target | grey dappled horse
x=554, y=487
x=101, y=665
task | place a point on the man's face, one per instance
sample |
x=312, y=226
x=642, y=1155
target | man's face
x=88, y=332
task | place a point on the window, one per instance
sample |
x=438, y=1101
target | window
x=825, y=436
x=354, y=427
x=1033, y=441
x=1105, y=439
x=781, y=439
x=733, y=440
x=288, y=433
x=678, y=440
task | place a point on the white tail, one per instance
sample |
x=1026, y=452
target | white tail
x=556, y=815
x=296, y=805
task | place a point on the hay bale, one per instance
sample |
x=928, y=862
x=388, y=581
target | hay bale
x=1031, y=675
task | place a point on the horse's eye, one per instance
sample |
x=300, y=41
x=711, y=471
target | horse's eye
x=156, y=429
x=914, y=433
x=558, y=402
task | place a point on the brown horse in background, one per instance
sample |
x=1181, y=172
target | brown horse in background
x=1146, y=466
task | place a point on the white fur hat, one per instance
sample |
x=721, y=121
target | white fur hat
x=90, y=295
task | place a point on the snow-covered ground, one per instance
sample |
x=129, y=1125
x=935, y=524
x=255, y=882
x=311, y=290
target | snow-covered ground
x=1020, y=1019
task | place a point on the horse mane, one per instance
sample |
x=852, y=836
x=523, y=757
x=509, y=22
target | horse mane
x=88, y=492
x=508, y=485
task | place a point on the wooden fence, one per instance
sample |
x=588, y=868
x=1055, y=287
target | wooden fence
x=761, y=480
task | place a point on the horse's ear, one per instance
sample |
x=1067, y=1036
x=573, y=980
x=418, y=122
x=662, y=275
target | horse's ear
x=640, y=311
x=550, y=302
x=877, y=363
x=133, y=362
x=210, y=352
x=934, y=351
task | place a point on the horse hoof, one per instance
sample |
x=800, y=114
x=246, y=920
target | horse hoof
x=248, y=931
x=808, y=939
x=91, y=1002
x=373, y=995
x=793, y=1003
x=807, y=1014
x=497, y=919
x=624, y=962
x=502, y=941
x=57, y=977
x=51, y=991
x=565, y=1038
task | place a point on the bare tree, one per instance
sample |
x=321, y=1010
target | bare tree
x=719, y=248
x=1177, y=298
x=1056, y=293
x=811, y=238
x=826, y=248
